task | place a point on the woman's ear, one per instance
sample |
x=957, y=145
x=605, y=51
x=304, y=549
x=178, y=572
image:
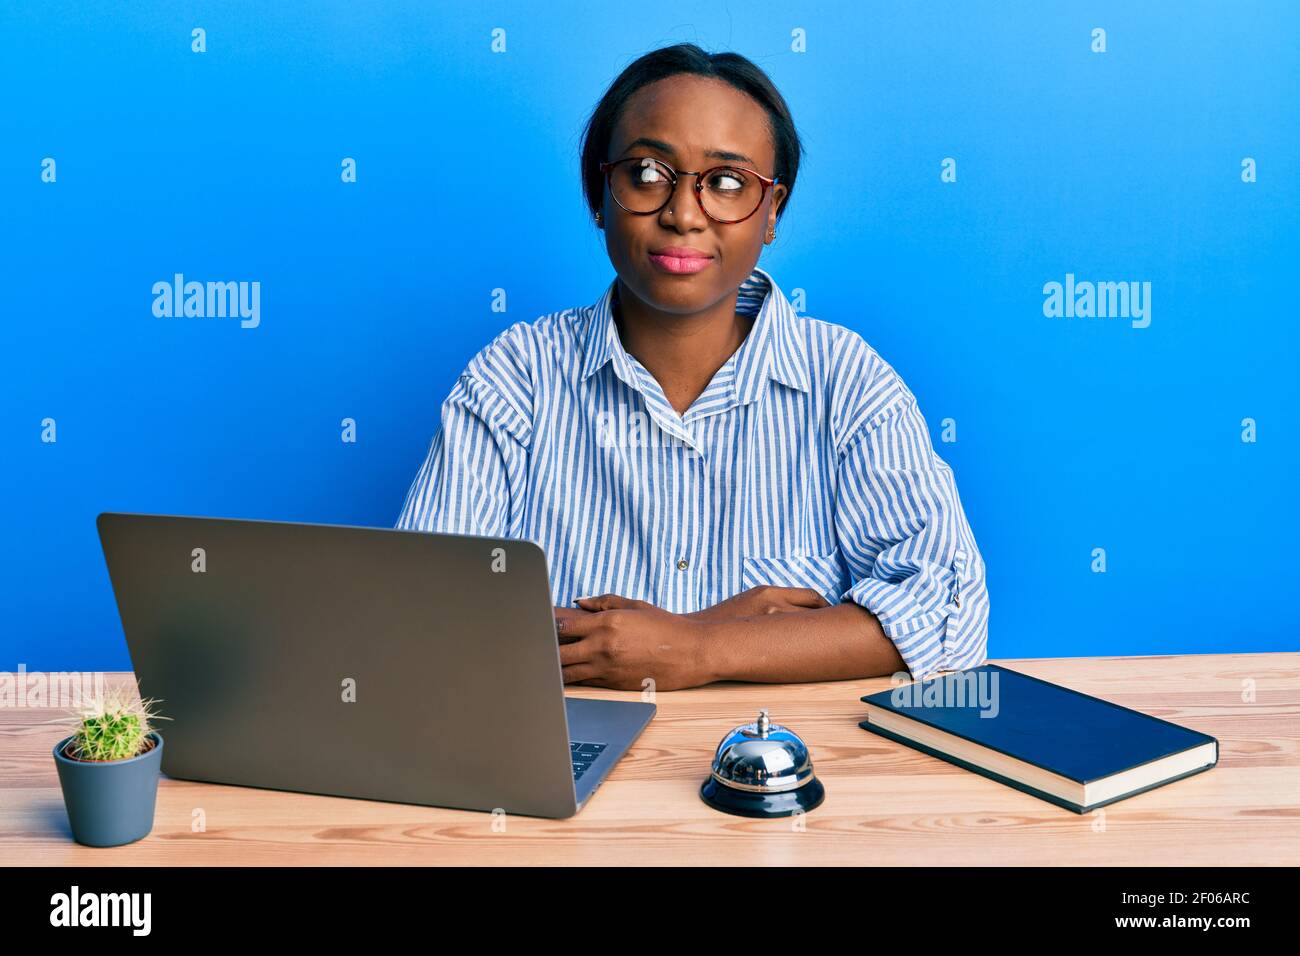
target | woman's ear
x=779, y=192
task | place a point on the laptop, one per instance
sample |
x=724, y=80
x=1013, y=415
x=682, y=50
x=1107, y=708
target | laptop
x=359, y=662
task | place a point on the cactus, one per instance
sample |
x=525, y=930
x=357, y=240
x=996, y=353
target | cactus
x=114, y=727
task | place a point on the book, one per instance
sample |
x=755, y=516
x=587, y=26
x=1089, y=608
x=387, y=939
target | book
x=1069, y=748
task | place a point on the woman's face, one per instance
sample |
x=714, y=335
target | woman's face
x=686, y=121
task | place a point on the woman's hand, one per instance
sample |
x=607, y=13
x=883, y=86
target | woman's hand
x=618, y=642
x=764, y=599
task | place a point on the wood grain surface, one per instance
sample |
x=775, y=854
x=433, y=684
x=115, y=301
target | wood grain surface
x=885, y=803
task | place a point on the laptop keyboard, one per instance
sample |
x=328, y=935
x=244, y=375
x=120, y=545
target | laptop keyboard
x=584, y=755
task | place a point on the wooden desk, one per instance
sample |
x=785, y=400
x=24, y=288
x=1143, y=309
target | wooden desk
x=885, y=804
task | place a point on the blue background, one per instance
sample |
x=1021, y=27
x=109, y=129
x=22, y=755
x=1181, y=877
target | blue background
x=1072, y=434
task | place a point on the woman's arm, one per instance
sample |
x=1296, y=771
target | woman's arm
x=618, y=642
x=839, y=642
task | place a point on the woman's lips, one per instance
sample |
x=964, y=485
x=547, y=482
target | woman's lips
x=681, y=264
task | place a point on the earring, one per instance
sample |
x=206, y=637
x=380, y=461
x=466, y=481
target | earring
x=771, y=234
x=599, y=219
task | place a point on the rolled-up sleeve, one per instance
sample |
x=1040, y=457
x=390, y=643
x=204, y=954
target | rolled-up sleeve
x=912, y=558
x=473, y=479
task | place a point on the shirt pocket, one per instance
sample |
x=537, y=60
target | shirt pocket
x=824, y=573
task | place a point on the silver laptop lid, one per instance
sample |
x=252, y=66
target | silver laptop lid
x=362, y=662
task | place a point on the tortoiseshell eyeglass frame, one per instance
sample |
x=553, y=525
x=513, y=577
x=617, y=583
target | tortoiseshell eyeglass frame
x=767, y=183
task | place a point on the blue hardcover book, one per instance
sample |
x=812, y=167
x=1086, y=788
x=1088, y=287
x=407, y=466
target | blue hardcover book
x=1071, y=749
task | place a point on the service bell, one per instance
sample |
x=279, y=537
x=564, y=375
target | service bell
x=762, y=770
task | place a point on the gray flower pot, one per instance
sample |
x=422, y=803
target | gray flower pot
x=110, y=802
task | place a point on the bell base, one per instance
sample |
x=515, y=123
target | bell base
x=744, y=803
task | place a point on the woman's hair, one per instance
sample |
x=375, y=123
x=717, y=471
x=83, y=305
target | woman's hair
x=668, y=61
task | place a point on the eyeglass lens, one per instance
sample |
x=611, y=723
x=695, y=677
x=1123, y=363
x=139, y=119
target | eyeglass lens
x=643, y=185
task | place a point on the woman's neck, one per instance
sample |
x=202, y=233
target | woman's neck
x=682, y=352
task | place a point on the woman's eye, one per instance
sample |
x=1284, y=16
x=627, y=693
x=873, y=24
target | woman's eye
x=648, y=174
x=727, y=181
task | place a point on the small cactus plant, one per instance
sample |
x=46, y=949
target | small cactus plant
x=114, y=727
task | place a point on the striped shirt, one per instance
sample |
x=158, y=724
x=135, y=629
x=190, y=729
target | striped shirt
x=804, y=463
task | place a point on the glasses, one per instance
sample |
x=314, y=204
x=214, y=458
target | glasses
x=727, y=194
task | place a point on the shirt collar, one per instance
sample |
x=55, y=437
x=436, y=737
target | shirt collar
x=773, y=349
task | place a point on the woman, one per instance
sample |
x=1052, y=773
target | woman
x=726, y=490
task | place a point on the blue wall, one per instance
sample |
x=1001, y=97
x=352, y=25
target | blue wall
x=1072, y=434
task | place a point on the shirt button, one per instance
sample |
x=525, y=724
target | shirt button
x=682, y=564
